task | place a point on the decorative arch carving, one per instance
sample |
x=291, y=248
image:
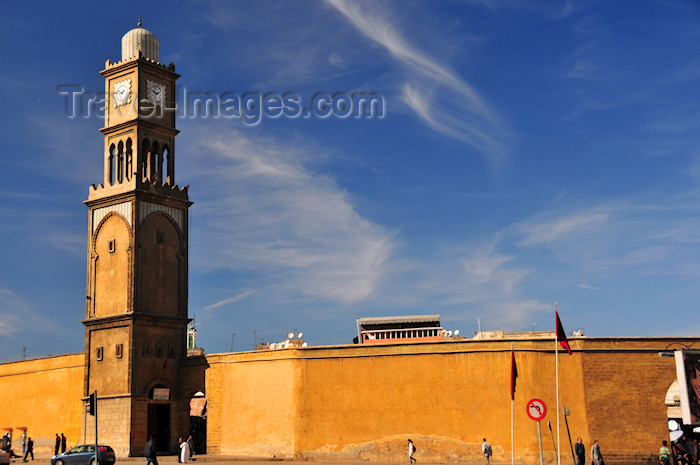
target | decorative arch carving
x=174, y=222
x=156, y=382
x=162, y=266
x=99, y=226
x=110, y=267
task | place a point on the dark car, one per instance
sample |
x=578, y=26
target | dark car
x=85, y=455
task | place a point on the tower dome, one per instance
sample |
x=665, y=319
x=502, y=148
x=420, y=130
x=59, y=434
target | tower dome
x=140, y=39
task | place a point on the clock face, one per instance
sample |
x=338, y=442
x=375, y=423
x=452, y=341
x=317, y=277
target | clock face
x=122, y=92
x=155, y=92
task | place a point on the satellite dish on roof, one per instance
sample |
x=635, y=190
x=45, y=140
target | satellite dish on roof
x=456, y=332
x=273, y=345
x=304, y=344
x=449, y=334
x=299, y=335
x=290, y=335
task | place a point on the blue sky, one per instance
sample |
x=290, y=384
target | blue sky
x=529, y=153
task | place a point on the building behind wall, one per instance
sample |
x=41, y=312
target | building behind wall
x=380, y=330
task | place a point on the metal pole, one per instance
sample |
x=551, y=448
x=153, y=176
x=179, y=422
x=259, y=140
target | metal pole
x=539, y=441
x=566, y=414
x=96, y=460
x=512, y=440
x=549, y=423
x=512, y=446
x=556, y=363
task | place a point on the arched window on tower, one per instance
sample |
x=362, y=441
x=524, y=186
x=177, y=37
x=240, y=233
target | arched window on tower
x=129, y=165
x=153, y=163
x=160, y=179
x=120, y=163
x=110, y=165
x=168, y=158
x=145, y=157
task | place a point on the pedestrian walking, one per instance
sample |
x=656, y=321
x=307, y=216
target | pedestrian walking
x=411, y=451
x=58, y=444
x=184, y=451
x=487, y=451
x=63, y=443
x=151, y=451
x=595, y=453
x=190, y=442
x=30, y=449
x=580, y=451
x=664, y=454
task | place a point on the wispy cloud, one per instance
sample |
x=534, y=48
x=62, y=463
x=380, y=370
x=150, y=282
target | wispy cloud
x=56, y=149
x=230, y=300
x=441, y=99
x=640, y=238
x=11, y=305
x=267, y=209
x=562, y=227
x=467, y=280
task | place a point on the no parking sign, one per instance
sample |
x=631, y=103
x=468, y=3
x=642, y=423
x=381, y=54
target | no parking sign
x=536, y=409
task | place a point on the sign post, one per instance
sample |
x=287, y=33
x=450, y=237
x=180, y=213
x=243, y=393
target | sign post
x=536, y=410
x=92, y=410
x=566, y=414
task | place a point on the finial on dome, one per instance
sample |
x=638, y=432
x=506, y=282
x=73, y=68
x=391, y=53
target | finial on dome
x=143, y=40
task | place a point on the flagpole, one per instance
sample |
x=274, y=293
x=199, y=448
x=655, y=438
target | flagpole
x=512, y=447
x=556, y=363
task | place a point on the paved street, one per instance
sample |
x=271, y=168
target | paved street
x=223, y=460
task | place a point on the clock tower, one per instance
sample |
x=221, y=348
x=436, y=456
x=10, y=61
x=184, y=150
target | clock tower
x=136, y=313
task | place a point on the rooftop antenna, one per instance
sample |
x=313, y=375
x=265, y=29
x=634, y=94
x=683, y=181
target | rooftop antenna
x=232, y=338
x=255, y=339
x=478, y=320
x=533, y=326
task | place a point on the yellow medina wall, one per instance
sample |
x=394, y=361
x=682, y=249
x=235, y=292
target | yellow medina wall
x=251, y=401
x=45, y=396
x=446, y=397
x=624, y=382
x=363, y=402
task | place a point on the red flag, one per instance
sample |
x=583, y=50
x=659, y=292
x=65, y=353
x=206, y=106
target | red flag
x=513, y=374
x=561, y=335
x=165, y=362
